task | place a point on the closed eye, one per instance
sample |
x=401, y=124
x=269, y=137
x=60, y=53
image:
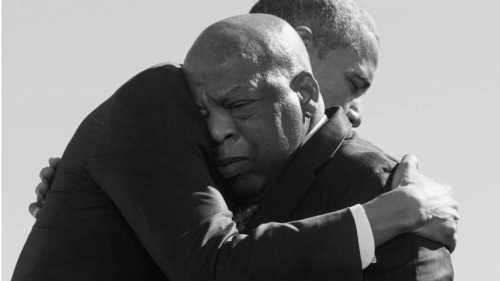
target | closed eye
x=239, y=104
x=355, y=86
x=242, y=109
x=359, y=83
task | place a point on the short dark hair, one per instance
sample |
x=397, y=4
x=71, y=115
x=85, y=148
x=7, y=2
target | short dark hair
x=334, y=23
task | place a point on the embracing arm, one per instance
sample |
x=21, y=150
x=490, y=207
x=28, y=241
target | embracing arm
x=155, y=172
x=188, y=230
x=416, y=205
x=410, y=256
x=185, y=224
x=423, y=255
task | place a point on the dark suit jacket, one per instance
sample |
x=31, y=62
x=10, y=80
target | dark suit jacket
x=341, y=171
x=133, y=199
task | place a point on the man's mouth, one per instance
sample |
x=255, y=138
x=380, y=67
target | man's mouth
x=230, y=166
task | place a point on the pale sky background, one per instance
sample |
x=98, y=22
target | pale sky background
x=435, y=94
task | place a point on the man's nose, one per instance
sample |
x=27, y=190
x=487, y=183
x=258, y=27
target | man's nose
x=221, y=128
x=355, y=113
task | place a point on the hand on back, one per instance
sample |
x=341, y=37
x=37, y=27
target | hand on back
x=46, y=176
x=427, y=207
x=432, y=212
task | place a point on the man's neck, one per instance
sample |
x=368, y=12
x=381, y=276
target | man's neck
x=318, y=115
x=317, y=118
x=313, y=129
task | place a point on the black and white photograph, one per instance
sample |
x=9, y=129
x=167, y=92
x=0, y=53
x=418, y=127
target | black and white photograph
x=250, y=140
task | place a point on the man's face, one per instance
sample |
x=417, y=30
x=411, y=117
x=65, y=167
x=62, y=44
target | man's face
x=345, y=74
x=256, y=123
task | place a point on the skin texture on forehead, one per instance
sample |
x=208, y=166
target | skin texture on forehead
x=265, y=40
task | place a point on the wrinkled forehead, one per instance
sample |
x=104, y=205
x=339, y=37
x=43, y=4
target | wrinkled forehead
x=220, y=62
x=219, y=79
x=236, y=44
x=236, y=69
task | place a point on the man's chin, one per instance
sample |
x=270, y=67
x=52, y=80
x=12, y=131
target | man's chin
x=245, y=191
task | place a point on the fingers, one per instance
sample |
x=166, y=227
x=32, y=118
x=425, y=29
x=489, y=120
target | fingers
x=47, y=174
x=41, y=190
x=447, y=229
x=409, y=164
x=410, y=159
x=54, y=162
x=441, y=230
x=453, y=238
x=454, y=243
x=407, y=169
x=34, y=209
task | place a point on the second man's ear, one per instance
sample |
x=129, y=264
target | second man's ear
x=307, y=88
x=306, y=34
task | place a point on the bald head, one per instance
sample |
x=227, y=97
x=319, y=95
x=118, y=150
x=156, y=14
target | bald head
x=261, y=39
x=251, y=78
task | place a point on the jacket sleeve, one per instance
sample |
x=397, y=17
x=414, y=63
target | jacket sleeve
x=411, y=257
x=408, y=256
x=151, y=160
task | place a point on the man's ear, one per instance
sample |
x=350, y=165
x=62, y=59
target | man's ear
x=307, y=37
x=308, y=90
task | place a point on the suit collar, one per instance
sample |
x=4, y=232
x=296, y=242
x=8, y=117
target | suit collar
x=299, y=174
x=325, y=142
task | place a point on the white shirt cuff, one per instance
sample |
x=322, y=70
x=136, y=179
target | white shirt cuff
x=365, y=235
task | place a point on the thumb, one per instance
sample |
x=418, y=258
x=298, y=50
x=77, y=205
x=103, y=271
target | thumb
x=407, y=169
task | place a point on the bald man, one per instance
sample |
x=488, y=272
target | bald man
x=133, y=197
x=262, y=104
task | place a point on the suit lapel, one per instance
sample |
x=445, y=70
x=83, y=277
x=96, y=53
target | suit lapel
x=299, y=174
x=325, y=142
x=283, y=195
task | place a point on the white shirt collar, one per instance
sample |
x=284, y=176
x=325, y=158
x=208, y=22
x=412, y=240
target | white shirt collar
x=318, y=125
